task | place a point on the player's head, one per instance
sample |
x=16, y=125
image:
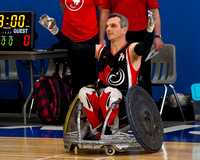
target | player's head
x=123, y=20
x=116, y=26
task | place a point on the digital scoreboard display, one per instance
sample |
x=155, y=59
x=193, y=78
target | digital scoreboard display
x=17, y=30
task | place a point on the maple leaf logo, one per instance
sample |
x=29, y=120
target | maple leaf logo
x=104, y=74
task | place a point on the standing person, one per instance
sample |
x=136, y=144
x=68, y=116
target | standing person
x=136, y=13
x=80, y=24
x=119, y=65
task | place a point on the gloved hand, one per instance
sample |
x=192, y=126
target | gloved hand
x=151, y=22
x=49, y=23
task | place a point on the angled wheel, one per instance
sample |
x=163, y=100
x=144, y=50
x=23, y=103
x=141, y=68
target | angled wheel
x=71, y=121
x=144, y=119
x=110, y=150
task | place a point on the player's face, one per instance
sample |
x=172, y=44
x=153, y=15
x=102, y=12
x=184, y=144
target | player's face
x=113, y=28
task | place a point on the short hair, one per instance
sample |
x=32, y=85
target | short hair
x=123, y=20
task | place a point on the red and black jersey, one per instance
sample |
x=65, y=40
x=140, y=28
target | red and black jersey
x=115, y=69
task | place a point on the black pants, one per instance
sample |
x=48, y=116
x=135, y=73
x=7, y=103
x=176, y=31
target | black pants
x=84, y=69
x=144, y=78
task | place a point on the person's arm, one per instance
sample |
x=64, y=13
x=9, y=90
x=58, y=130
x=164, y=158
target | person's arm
x=137, y=50
x=158, y=43
x=104, y=16
x=79, y=49
x=62, y=5
x=99, y=7
x=73, y=47
x=143, y=47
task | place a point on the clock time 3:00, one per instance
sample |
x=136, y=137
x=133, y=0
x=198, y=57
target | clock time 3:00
x=16, y=29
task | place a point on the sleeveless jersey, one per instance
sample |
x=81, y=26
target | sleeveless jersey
x=115, y=70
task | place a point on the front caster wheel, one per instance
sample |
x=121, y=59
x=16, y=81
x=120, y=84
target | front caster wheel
x=110, y=150
x=76, y=150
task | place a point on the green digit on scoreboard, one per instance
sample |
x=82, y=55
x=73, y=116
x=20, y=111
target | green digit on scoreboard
x=10, y=41
x=3, y=41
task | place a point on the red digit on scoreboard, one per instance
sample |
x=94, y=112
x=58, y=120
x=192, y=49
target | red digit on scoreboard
x=26, y=40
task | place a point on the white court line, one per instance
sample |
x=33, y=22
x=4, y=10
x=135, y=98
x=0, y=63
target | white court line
x=72, y=157
x=17, y=127
x=56, y=156
x=11, y=155
x=178, y=128
x=59, y=128
x=52, y=128
x=107, y=158
x=195, y=132
x=18, y=146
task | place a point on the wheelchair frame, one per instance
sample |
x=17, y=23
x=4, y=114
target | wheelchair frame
x=120, y=141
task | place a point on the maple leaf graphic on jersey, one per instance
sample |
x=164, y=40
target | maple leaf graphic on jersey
x=104, y=74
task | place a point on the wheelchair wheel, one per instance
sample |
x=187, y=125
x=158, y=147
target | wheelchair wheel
x=76, y=126
x=70, y=113
x=144, y=119
x=109, y=151
x=71, y=121
x=71, y=118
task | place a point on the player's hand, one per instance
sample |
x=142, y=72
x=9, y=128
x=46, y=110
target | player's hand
x=49, y=23
x=158, y=44
x=151, y=22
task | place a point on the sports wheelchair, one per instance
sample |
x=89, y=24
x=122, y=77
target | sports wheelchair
x=143, y=132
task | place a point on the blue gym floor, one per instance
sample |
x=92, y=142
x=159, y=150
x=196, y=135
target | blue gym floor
x=174, y=131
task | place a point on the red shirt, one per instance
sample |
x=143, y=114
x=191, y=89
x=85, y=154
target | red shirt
x=134, y=10
x=80, y=19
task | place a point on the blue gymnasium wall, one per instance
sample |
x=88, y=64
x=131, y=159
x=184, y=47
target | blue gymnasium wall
x=180, y=26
